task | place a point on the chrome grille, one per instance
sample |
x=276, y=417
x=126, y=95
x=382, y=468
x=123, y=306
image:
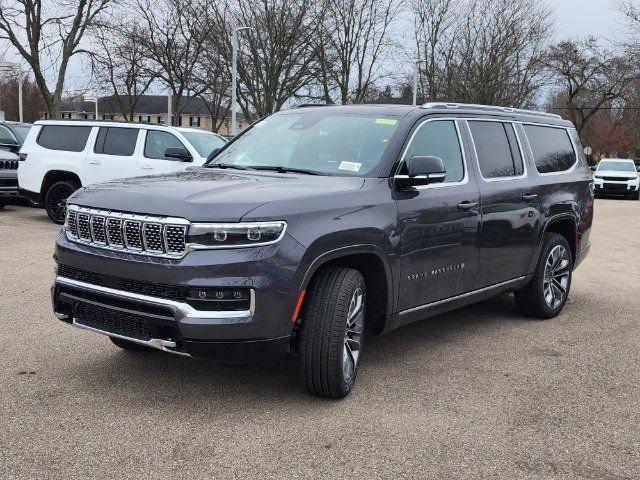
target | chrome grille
x=147, y=235
x=72, y=223
x=98, y=230
x=132, y=235
x=84, y=230
x=8, y=164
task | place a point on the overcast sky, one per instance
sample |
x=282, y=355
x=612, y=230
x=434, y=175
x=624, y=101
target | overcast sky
x=580, y=18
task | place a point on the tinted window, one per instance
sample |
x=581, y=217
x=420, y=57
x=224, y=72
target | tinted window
x=493, y=146
x=64, y=137
x=516, y=155
x=439, y=139
x=116, y=141
x=5, y=136
x=551, y=147
x=157, y=142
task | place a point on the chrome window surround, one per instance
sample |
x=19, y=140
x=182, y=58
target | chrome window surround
x=164, y=222
x=464, y=180
x=184, y=308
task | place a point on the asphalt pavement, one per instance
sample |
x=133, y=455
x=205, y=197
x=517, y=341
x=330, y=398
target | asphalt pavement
x=481, y=392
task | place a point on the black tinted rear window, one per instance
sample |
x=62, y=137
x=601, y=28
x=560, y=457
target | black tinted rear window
x=116, y=141
x=69, y=138
x=552, y=148
x=496, y=146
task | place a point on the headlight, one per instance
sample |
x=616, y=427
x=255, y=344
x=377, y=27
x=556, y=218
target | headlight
x=234, y=235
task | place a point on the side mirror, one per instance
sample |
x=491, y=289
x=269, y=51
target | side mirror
x=422, y=170
x=178, y=153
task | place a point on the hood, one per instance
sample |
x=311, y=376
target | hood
x=207, y=194
x=616, y=174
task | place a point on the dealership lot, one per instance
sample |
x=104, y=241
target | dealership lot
x=480, y=392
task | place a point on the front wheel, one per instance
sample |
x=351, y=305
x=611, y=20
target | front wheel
x=332, y=329
x=547, y=292
x=636, y=196
x=55, y=200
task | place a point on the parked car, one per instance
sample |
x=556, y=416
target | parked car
x=60, y=156
x=617, y=176
x=12, y=136
x=318, y=223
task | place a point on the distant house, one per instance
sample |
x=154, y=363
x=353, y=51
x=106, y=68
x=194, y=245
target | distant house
x=150, y=109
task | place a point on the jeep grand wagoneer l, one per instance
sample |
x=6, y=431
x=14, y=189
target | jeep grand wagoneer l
x=319, y=223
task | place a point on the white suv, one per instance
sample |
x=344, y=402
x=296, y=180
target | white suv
x=617, y=176
x=60, y=156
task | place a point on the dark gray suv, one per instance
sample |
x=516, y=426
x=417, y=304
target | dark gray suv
x=319, y=223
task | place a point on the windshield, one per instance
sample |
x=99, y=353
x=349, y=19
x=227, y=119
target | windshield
x=204, y=143
x=21, y=132
x=620, y=166
x=328, y=144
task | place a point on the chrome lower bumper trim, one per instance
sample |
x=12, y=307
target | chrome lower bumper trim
x=184, y=308
x=157, y=343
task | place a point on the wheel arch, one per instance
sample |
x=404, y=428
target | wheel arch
x=565, y=225
x=373, y=263
x=54, y=176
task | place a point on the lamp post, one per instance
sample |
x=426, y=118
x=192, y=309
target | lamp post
x=15, y=68
x=92, y=98
x=416, y=72
x=234, y=75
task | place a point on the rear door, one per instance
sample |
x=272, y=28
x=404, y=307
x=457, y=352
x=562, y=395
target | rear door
x=153, y=159
x=113, y=155
x=511, y=209
x=439, y=223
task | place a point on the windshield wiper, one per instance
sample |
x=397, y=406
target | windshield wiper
x=280, y=169
x=226, y=165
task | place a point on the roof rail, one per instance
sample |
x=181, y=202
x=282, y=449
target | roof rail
x=305, y=105
x=489, y=108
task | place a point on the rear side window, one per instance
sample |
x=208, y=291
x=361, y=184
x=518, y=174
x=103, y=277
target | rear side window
x=552, y=148
x=438, y=139
x=69, y=138
x=116, y=141
x=497, y=148
x=157, y=142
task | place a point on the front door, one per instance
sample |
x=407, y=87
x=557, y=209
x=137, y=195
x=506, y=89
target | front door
x=153, y=159
x=510, y=203
x=438, y=223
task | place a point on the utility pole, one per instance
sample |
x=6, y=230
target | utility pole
x=416, y=72
x=234, y=75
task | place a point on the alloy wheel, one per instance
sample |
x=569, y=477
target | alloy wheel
x=57, y=202
x=556, y=276
x=353, y=335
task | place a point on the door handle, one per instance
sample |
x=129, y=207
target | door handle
x=146, y=167
x=95, y=162
x=529, y=196
x=467, y=205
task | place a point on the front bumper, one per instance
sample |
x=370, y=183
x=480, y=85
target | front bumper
x=262, y=330
x=8, y=183
x=616, y=188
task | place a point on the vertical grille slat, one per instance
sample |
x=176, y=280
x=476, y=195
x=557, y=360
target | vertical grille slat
x=154, y=236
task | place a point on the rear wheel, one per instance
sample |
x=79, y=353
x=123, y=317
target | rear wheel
x=547, y=292
x=127, y=345
x=55, y=200
x=332, y=330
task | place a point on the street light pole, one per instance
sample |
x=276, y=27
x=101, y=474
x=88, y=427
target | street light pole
x=234, y=75
x=20, y=106
x=416, y=72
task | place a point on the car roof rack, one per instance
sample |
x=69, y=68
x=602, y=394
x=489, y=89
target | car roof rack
x=489, y=108
x=305, y=105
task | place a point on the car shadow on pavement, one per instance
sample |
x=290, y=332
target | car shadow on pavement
x=190, y=382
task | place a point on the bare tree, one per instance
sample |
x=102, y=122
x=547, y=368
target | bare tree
x=33, y=103
x=47, y=35
x=172, y=35
x=119, y=63
x=352, y=45
x=277, y=55
x=482, y=51
x=590, y=77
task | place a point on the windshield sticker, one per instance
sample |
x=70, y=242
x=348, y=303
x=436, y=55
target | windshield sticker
x=351, y=166
x=386, y=121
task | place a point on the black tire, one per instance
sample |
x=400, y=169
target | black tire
x=56, y=198
x=636, y=196
x=324, y=359
x=534, y=300
x=2, y=203
x=131, y=346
